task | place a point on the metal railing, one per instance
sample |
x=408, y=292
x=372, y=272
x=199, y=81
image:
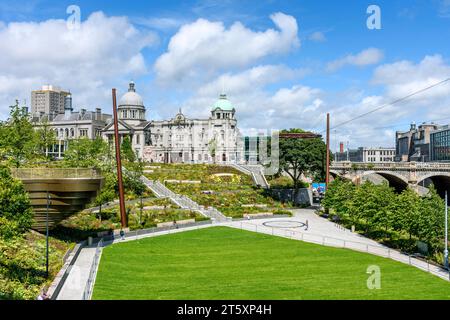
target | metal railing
x=379, y=250
x=391, y=165
x=55, y=173
x=89, y=288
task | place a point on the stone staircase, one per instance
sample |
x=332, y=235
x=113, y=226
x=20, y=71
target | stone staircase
x=184, y=202
x=256, y=171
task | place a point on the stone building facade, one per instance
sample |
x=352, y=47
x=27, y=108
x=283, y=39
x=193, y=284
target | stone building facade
x=216, y=139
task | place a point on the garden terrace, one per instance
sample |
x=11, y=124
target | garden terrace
x=202, y=172
x=232, y=194
x=89, y=222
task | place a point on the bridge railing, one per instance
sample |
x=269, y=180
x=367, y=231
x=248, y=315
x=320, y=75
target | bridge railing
x=346, y=165
x=55, y=173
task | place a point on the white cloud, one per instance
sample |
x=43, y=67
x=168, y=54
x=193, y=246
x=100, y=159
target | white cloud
x=366, y=57
x=398, y=80
x=160, y=23
x=405, y=77
x=257, y=108
x=317, y=36
x=88, y=61
x=205, y=47
x=444, y=8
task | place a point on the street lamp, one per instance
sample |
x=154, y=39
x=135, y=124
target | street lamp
x=446, y=233
x=46, y=235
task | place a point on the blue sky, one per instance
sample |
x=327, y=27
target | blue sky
x=282, y=63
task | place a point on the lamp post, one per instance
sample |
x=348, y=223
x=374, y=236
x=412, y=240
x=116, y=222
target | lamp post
x=140, y=212
x=46, y=235
x=446, y=233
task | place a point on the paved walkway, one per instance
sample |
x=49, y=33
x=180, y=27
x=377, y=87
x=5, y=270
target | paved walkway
x=325, y=232
x=320, y=231
x=75, y=283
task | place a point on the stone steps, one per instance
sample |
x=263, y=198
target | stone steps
x=161, y=191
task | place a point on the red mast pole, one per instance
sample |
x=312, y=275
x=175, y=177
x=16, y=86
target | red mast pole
x=123, y=217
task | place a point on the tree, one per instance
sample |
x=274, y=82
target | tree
x=15, y=205
x=212, y=146
x=339, y=197
x=46, y=138
x=407, y=212
x=127, y=150
x=431, y=221
x=86, y=153
x=18, y=138
x=301, y=156
x=371, y=204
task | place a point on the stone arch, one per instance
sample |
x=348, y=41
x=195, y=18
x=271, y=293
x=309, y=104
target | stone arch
x=396, y=181
x=440, y=180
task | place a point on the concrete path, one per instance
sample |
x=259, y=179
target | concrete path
x=317, y=227
x=75, y=283
x=324, y=232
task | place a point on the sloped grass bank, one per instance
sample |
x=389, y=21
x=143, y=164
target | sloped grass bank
x=226, y=263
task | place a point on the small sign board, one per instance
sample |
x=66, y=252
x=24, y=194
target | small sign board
x=319, y=187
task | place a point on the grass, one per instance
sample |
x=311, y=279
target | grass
x=226, y=263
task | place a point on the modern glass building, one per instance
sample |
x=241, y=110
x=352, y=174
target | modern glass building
x=440, y=145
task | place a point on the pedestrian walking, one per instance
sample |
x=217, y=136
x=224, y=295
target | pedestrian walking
x=122, y=234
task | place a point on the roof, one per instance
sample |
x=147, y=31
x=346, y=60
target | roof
x=223, y=104
x=131, y=98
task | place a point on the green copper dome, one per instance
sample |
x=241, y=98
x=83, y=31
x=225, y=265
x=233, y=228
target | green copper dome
x=223, y=104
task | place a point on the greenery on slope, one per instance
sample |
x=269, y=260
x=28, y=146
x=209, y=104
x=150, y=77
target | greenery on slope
x=22, y=252
x=224, y=188
x=398, y=220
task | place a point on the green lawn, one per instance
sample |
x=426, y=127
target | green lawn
x=226, y=263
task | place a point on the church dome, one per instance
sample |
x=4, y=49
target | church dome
x=223, y=104
x=131, y=98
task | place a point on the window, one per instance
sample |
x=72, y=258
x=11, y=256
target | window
x=83, y=132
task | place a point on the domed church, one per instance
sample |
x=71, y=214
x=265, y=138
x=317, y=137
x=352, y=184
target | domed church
x=216, y=139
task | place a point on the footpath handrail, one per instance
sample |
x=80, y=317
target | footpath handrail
x=87, y=294
x=379, y=250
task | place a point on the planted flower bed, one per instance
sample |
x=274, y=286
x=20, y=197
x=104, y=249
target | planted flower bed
x=22, y=265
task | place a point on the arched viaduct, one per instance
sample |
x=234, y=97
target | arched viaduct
x=400, y=175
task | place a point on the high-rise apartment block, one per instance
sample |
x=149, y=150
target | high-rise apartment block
x=48, y=100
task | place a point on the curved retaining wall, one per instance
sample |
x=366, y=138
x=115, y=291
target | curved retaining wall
x=67, y=196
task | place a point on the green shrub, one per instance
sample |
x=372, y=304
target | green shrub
x=283, y=212
x=14, y=202
x=9, y=229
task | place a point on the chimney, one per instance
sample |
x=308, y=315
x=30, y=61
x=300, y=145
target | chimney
x=341, y=147
x=68, y=106
x=98, y=113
